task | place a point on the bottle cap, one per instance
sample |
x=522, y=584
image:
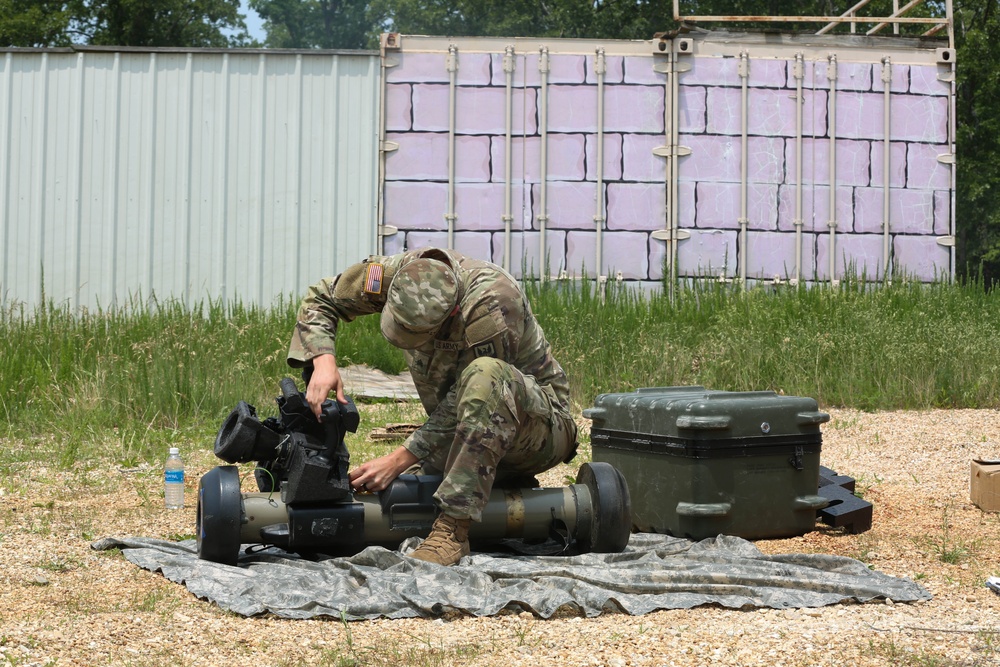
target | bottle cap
x=175, y=450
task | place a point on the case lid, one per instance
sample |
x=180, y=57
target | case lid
x=696, y=413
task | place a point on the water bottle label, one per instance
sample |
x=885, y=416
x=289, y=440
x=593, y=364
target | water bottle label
x=174, y=476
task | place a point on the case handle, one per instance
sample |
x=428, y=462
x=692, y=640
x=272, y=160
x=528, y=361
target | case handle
x=703, y=509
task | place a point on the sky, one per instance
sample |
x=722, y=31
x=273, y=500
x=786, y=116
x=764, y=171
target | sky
x=254, y=23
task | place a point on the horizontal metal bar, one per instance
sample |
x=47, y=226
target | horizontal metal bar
x=816, y=19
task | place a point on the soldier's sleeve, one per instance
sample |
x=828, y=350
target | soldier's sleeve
x=329, y=302
x=438, y=432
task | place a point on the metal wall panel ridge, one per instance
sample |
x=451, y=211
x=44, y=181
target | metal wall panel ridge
x=196, y=175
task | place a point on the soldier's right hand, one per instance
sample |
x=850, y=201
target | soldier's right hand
x=325, y=378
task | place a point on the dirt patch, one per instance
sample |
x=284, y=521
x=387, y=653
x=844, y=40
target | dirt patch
x=61, y=603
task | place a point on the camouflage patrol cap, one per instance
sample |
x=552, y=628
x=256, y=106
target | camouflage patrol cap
x=422, y=295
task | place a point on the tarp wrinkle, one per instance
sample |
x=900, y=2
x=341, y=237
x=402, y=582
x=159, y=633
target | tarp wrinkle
x=654, y=572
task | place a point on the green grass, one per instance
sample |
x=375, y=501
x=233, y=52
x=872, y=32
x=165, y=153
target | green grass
x=904, y=345
x=130, y=381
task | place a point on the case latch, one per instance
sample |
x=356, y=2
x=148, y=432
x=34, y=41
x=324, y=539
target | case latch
x=796, y=460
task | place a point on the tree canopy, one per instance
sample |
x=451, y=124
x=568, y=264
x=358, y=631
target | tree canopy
x=37, y=23
x=320, y=24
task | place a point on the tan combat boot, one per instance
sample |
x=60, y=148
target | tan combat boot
x=447, y=543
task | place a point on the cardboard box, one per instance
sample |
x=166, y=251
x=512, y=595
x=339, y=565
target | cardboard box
x=984, y=487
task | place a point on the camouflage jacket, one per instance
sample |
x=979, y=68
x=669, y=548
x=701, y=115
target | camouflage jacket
x=494, y=319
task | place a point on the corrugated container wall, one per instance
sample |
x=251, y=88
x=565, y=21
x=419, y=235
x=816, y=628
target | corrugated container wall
x=194, y=175
x=759, y=158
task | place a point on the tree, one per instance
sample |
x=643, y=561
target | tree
x=321, y=24
x=34, y=23
x=978, y=181
x=189, y=23
x=614, y=19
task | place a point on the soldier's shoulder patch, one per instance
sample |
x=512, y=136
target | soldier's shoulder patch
x=487, y=349
x=374, y=278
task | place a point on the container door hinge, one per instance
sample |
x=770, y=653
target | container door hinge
x=663, y=67
x=947, y=241
x=946, y=158
x=664, y=234
x=387, y=230
x=389, y=146
x=667, y=151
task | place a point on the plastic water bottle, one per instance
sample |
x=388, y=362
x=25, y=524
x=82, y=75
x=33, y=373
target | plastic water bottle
x=173, y=480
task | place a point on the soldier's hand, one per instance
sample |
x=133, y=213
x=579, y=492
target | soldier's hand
x=325, y=378
x=377, y=474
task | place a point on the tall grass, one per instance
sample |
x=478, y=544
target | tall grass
x=147, y=373
x=901, y=345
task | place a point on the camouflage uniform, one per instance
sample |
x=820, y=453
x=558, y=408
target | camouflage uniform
x=497, y=400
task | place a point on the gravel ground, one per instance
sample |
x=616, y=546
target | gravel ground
x=62, y=603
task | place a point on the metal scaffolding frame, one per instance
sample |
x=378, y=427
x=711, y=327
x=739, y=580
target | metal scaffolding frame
x=852, y=16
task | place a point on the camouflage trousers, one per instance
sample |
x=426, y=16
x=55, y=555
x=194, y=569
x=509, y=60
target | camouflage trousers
x=507, y=426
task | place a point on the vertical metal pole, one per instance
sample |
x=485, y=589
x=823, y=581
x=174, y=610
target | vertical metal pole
x=78, y=181
x=886, y=162
x=151, y=187
x=952, y=131
x=297, y=278
x=543, y=121
x=5, y=164
x=452, y=64
x=744, y=72
x=380, y=196
x=508, y=68
x=114, y=165
x=673, y=251
x=222, y=252
x=41, y=141
x=261, y=218
x=599, y=70
x=798, y=71
x=668, y=180
x=831, y=75
x=186, y=252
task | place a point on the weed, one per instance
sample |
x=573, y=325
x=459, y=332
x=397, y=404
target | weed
x=181, y=537
x=902, y=656
x=867, y=544
x=522, y=630
x=59, y=565
x=987, y=643
x=863, y=484
x=151, y=601
x=946, y=547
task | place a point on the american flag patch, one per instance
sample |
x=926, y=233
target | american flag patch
x=373, y=282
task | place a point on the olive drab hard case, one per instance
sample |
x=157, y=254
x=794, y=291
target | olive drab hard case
x=701, y=463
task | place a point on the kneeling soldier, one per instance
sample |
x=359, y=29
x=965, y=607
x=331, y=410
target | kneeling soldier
x=497, y=400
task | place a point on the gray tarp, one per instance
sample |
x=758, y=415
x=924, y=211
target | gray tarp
x=654, y=572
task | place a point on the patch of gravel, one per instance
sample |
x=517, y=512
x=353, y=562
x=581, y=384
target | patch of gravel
x=62, y=603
